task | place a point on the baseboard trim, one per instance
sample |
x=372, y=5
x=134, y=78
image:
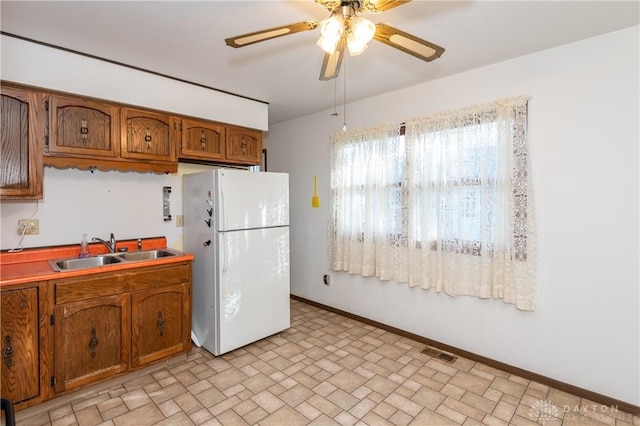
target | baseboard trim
x=565, y=387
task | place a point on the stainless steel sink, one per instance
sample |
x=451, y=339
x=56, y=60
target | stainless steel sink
x=109, y=259
x=146, y=255
x=89, y=262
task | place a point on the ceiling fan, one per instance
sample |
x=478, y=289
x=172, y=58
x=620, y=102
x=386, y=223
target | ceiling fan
x=344, y=28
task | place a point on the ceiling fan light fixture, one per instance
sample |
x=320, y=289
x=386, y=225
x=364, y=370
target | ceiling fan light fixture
x=331, y=30
x=355, y=47
x=327, y=45
x=360, y=32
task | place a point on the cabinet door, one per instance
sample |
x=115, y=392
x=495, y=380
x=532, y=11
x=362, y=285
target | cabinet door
x=83, y=127
x=92, y=340
x=161, y=323
x=20, y=350
x=22, y=131
x=202, y=140
x=244, y=145
x=147, y=135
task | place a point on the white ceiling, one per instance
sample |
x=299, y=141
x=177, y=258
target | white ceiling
x=186, y=40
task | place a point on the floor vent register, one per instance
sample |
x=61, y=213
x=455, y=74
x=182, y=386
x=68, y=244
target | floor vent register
x=442, y=356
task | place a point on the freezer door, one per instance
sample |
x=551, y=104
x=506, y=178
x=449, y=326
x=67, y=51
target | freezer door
x=253, y=291
x=248, y=200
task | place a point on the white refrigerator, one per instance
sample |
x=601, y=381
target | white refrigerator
x=236, y=224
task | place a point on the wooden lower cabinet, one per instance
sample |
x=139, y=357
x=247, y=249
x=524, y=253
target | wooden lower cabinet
x=20, y=345
x=112, y=322
x=160, y=323
x=92, y=340
x=61, y=335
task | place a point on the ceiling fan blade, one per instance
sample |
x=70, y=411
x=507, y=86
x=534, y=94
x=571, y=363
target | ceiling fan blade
x=329, y=4
x=332, y=62
x=377, y=6
x=408, y=43
x=271, y=33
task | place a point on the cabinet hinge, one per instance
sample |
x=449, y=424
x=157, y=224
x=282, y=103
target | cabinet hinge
x=52, y=319
x=46, y=105
x=53, y=381
x=46, y=141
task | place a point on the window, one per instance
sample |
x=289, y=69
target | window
x=446, y=204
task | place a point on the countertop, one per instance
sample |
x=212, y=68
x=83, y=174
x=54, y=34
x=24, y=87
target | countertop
x=31, y=264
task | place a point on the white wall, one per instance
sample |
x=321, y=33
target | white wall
x=79, y=202
x=584, y=136
x=37, y=65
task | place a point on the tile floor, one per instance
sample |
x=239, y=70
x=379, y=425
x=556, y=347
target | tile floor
x=326, y=370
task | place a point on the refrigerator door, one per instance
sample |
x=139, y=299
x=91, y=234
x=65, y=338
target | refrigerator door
x=199, y=240
x=248, y=200
x=252, y=286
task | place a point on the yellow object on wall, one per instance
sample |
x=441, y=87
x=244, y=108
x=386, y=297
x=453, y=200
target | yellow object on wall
x=315, y=201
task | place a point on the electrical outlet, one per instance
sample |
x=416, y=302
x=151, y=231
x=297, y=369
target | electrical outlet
x=28, y=226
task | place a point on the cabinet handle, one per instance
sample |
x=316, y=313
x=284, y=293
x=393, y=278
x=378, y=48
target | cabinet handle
x=7, y=352
x=160, y=323
x=147, y=139
x=203, y=141
x=244, y=146
x=93, y=343
x=84, y=130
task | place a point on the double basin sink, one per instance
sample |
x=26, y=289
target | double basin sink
x=109, y=259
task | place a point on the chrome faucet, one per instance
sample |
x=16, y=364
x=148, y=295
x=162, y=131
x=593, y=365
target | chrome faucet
x=111, y=245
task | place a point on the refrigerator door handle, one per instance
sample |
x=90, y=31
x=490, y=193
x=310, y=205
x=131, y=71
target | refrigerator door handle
x=223, y=252
x=223, y=217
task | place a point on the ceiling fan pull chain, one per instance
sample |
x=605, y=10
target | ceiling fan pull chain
x=344, y=102
x=335, y=97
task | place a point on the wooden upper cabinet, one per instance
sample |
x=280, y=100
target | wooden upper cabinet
x=20, y=348
x=148, y=136
x=244, y=145
x=42, y=127
x=22, y=133
x=202, y=140
x=83, y=127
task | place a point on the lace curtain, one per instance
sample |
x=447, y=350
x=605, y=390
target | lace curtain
x=446, y=204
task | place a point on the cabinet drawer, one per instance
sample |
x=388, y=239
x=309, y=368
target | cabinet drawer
x=113, y=283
